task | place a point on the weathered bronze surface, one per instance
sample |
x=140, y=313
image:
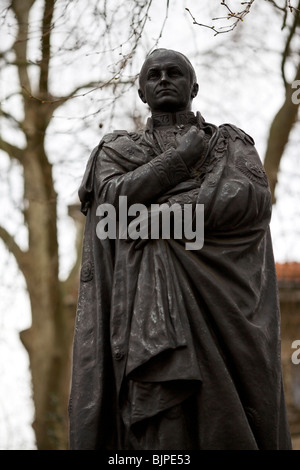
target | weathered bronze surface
x=178, y=349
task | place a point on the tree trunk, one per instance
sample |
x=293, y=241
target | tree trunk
x=49, y=339
x=49, y=347
x=286, y=117
x=279, y=133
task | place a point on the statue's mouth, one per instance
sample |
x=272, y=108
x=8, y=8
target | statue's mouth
x=166, y=90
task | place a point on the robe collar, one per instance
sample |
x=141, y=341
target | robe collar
x=180, y=118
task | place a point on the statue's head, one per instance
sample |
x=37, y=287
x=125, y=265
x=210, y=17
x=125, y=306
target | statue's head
x=167, y=81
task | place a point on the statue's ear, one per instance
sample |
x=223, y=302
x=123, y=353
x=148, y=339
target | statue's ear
x=142, y=96
x=195, y=90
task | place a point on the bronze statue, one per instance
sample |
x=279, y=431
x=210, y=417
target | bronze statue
x=174, y=348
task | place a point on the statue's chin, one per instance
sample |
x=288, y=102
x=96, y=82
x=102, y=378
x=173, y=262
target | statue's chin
x=169, y=107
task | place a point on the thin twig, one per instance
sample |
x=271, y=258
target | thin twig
x=240, y=15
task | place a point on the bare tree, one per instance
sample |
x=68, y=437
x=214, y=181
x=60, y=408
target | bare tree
x=42, y=35
x=286, y=117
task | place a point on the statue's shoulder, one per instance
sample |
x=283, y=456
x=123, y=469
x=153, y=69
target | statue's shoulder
x=235, y=132
x=113, y=136
x=117, y=137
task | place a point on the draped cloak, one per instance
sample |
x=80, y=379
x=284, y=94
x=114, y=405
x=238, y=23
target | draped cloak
x=161, y=326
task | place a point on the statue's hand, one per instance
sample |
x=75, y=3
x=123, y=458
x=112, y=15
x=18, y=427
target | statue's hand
x=192, y=146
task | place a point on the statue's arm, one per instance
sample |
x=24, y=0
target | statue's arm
x=142, y=184
x=149, y=180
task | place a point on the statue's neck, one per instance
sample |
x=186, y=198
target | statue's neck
x=172, y=119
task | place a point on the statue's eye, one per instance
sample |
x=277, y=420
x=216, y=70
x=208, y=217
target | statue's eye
x=174, y=72
x=153, y=75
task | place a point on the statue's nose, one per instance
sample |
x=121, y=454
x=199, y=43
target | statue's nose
x=164, y=76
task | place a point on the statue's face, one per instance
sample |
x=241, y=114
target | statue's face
x=166, y=83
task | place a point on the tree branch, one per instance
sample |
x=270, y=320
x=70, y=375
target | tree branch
x=45, y=45
x=22, y=10
x=57, y=101
x=280, y=130
x=71, y=283
x=240, y=15
x=286, y=51
x=237, y=16
x=11, y=118
x=12, y=150
x=20, y=256
x=288, y=6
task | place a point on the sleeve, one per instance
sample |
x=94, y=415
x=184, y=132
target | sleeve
x=235, y=192
x=118, y=174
